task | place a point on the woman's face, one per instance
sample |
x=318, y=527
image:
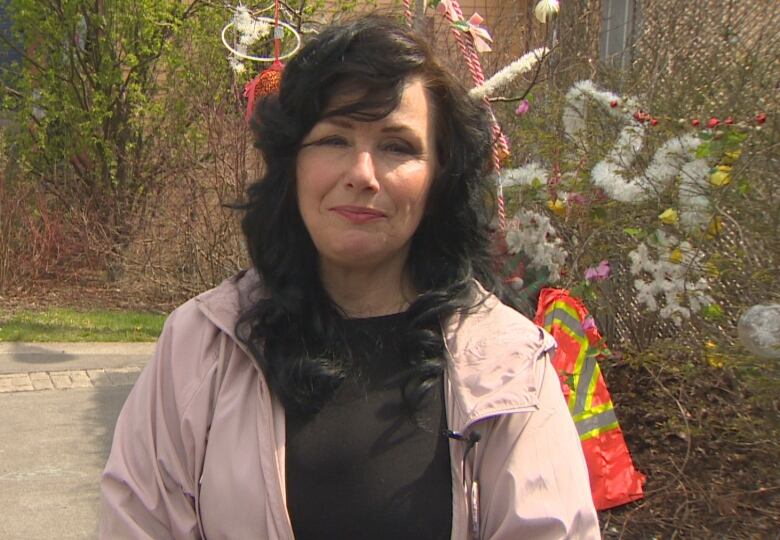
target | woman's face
x=362, y=186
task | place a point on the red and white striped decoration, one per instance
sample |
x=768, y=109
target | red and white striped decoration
x=469, y=52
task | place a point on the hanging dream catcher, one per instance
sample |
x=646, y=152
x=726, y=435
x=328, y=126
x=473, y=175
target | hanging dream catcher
x=245, y=35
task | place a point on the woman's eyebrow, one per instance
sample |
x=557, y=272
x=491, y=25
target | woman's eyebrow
x=396, y=128
x=348, y=123
x=338, y=121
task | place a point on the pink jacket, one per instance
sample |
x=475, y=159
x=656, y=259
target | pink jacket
x=525, y=478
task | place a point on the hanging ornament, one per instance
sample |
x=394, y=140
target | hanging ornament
x=759, y=330
x=467, y=34
x=545, y=10
x=479, y=34
x=267, y=81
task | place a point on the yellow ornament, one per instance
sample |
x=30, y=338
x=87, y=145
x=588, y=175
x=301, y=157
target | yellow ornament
x=713, y=357
x=722, y=176
x=730, y=157
x=669, y=216
x=557, y=207
x=715, y=360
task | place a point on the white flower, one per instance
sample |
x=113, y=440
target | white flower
x=546, y=9
x=236, y=65
x=249, y=29
x=533, y=235
x=508, y=73
x=675, y=159
x=665, y=286
x=523, y=176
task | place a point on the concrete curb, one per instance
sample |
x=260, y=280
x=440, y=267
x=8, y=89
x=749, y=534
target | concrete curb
x=66, y=380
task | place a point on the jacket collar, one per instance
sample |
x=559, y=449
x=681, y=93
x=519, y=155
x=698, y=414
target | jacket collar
x=223, y=304
x=493, y=353
x=492, y=349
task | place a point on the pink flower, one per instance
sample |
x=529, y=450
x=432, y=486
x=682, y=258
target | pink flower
x=577, y=198
x=598, y=273
x=588, y=324
x=523, y=108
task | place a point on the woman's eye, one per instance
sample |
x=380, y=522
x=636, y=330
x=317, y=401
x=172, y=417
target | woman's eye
x=333, y=140
x=400, y=147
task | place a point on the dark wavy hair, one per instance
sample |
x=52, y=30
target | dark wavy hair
x=295, y=330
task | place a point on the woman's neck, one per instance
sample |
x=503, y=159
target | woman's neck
x=368, y=293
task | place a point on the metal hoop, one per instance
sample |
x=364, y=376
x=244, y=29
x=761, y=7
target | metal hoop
x=263, y=58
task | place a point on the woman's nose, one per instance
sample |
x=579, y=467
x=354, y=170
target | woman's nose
x=362, y=171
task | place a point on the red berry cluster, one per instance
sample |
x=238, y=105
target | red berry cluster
x=644, y=116
x=713, y=122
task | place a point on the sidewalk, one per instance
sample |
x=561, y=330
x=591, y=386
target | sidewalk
x=26, y=367
x=58, y=406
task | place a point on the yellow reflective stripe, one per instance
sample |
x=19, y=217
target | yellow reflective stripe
x=594, y=378
x=590, y=421
x=598, y=431
x=596, y=424
x=586, y=372
x=565, y=315
x=558, y=312
x=584, y=415
x=577, y=370
x=585, y=384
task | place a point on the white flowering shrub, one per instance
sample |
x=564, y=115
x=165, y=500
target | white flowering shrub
x=627, y=208
x=532, y=234
x=662, y=282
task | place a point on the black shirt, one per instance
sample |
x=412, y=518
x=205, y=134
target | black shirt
x=361, y=467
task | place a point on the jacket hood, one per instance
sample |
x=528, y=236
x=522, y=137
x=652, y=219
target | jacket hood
x=492, y=349
x=493, y=357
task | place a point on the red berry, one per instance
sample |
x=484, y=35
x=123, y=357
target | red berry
x=695, y=122
x=713, y=122
x=653, y=122
x=761, y=118
x=729, y=120
x=613, y=103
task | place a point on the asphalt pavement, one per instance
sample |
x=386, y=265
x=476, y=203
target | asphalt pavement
x=58, y=406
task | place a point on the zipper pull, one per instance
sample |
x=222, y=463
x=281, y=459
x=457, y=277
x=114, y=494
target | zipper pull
x=472, y=494
x=475, y=510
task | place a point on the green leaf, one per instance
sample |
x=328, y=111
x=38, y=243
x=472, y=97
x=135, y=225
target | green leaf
x=634, y=232
x=703, y=151
x=717, y=148
x=463, y=26
x=712, y=312
x=598, y=213
x=735, y=137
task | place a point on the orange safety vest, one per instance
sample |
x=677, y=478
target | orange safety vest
x=613, y=478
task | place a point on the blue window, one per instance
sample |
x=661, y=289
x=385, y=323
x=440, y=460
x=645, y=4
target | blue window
x=619, y=26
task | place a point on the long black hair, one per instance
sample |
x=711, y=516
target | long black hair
x=295, y=330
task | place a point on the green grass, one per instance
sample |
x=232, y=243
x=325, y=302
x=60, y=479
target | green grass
x=59, y=324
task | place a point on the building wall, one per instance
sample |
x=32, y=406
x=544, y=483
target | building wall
x=510, y=22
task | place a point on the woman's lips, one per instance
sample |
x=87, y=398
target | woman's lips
x=358, y=214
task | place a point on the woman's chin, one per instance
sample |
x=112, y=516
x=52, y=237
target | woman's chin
x=362, y=253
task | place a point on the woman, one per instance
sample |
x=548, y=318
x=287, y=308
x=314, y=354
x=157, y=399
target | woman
x=359, y=381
